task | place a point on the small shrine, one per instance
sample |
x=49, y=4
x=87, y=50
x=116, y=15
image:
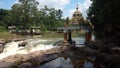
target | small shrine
x=77, y=23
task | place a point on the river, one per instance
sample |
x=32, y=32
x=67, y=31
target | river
x=44, y=44
x=32, y=45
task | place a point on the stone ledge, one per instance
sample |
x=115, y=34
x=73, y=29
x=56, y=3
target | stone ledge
x=34, y=58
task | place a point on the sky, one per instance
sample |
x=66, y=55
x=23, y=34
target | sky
x=67, y=6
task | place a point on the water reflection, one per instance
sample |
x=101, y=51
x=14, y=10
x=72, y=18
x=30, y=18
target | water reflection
x=62, y=63
x=58, y=63
x=79, y=40
x=88, y=65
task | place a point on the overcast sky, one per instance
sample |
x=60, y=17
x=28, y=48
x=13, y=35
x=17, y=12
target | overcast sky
x=67, y=6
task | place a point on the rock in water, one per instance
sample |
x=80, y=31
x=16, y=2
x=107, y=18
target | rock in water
x=23, y=43
x=2, y=41
x=25, y=65
x=1, y=48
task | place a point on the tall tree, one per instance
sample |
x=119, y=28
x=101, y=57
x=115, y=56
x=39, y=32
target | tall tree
x=16, y=14
x=5, y=18
x=67, y=20
x=105, y=15
x=50, y=18
x=24, y=12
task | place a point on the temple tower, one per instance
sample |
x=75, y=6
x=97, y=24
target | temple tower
x=77, y=18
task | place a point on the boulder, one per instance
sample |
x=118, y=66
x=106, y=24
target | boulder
x=2, y=41
x=108, y=60
x=5, y=64
x=31, y=59
x=1, y=48
x=25, y=65
x=22, y=44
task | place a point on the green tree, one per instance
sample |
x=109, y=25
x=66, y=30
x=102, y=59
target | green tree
x=67, y=20
x=50, y=18
x=5, y=18
x=105, y=14
x=16, y=14
x=24, y=13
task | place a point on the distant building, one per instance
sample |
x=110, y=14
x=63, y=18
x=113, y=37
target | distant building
x=35, y=30
x=12, y=29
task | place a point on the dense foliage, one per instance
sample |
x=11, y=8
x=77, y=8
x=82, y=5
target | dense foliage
x=105, y=16
x=5, y=19
x=25, y=14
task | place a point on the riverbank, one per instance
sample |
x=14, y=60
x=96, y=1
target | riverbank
x=46, y=34
x=6, y=37
x=108, y=52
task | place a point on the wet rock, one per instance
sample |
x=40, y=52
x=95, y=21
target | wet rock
x=48, y=57
x=25, y=65
x=5, y=64
x=18, y=39
x=33, y=58
x=108, y=60
x=1, y=48
x=88, y=51
x=23, y=43
x=116, y=49
x=2, y=41
x=105, y=50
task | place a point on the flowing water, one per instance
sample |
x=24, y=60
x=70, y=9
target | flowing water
x=33, y=45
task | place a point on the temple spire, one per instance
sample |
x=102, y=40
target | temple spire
x=77, y=6
x=76, y=17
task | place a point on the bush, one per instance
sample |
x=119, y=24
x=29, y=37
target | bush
x=2, y=29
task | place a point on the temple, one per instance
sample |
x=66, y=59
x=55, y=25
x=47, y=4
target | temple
x=76, y=23
x=77, y=20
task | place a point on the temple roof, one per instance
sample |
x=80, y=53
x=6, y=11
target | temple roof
x=77, y=10
x=77, y=17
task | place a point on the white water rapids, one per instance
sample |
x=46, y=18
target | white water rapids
x=32, y=45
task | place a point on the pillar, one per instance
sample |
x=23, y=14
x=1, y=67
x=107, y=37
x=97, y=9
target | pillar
x=65, y=35
x=88, y=36
x=69, y=36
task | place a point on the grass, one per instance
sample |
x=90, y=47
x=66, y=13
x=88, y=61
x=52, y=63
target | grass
x=7, y=35
x=52, y=35
x=47, y=34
